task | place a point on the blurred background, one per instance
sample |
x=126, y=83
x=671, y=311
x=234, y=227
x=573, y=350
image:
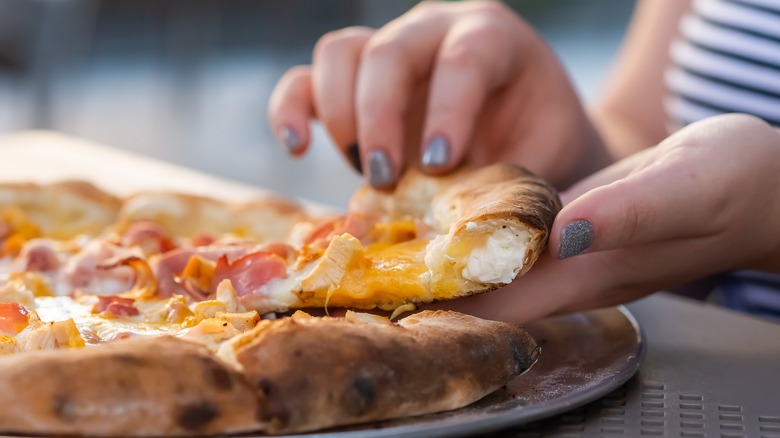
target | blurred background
x=188, y=81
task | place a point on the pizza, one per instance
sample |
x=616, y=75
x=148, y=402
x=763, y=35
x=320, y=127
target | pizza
x=168, y=314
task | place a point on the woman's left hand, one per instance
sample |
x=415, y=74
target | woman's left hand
x=705, y=200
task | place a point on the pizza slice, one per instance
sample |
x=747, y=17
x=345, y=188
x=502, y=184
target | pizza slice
x=433, y=238
x=290, y=375
x=178, y=304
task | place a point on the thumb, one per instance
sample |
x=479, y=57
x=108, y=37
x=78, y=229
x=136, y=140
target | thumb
x=659, y=202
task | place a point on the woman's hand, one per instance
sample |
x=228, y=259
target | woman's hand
x=705, y=200
x=441, y=84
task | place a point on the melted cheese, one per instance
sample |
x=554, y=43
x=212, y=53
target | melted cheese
x=383, y=274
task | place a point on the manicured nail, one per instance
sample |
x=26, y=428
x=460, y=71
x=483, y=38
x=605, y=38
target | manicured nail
x=353, y=155
x=290, y=138
x=575, y=238
x=437, y=152
x=379, y=172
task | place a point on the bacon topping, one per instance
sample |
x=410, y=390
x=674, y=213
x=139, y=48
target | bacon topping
x=38, y=255
x=145, y=285
x=149, y=236
x=13, y=318
x=116, y=306
x=249, y=273
x=166, y=266
x=81, y=271
x=356, y=224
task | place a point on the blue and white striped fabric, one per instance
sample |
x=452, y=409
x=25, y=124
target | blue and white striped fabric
x=727, y=59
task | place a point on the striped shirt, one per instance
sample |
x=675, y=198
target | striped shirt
x=727, y=59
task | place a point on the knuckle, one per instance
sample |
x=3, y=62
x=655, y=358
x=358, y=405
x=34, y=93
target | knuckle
x=381, y=50
x=340, y=42
x=494, y=8
x=297, y=73
x=461, y=55
x=426, y=7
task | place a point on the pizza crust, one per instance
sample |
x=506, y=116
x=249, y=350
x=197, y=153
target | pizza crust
x=267, y=218
x=65, y=209
x=317, y=373
x=155, y=386
x=291, y=375
x=466, y=209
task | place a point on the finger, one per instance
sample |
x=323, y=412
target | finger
x=608, y=175
x=393, y=62
x=548, y=287
x=290, y=109
x=592, y=281
x=664, y=200
x=477, y=56
x=334, y=73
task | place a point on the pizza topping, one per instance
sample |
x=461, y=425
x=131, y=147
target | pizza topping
x=357, y=225
x=248, y=274
x=211, y=332
x=366, y=317
x=394, y=232
x=197, y=277
x=281, y=249
x=115, y=306
x=400, y=310
x=149, y=236
x=330, y=269
x=242, y=321
x=40, y=335
x=226, y=301
x=17, y=229
x=8, y=345
x=499, y=257
x=13, y=318
x=23, y=287
x=38, y=255
x=86, y=270
x=176, y=310
x=145, y=285
x=172, y=263
x=67, y=334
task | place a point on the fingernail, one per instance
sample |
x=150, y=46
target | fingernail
x=290, y=138
x=379, y=172
x=437, y=152
x=353, y=155
x=576, y=237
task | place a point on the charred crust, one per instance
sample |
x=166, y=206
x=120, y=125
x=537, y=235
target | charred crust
x=217, y=375
x=522, y=356
x=264, y=385
x=61, y=408
x=365, y=392
x=197, y=416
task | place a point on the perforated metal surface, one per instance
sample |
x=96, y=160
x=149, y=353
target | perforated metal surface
x=708, y=373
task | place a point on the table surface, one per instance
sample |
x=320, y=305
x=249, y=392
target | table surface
x=709, y=372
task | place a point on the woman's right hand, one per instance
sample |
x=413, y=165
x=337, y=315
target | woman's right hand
x=444, y=83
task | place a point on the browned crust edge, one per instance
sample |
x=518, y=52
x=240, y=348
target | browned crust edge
x=348, y=372
x=141, y=387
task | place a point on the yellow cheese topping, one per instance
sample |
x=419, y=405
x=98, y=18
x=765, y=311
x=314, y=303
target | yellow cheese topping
x=384, y=274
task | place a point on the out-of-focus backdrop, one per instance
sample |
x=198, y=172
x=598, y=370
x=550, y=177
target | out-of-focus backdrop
x=188, y=81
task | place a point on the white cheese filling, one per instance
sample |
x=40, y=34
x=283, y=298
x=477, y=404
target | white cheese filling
x=499, y=258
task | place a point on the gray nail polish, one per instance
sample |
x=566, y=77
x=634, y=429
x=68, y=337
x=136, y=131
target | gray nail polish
x=290, y=138
x=576, y=237
x=379, y=172
x=437, y=152
x=353, y=155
